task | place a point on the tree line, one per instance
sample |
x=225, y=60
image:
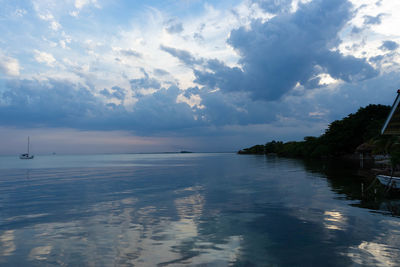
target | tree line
x=342, y=137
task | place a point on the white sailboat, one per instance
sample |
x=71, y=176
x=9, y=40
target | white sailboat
x=26, y=155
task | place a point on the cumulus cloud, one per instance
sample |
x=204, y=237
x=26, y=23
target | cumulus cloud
x=116, y=92
x=373, y=20
x=160, y=72
x=51, y=103
x=161, y=112
x=20, y=12
x=234, y=109
x=173, y=26
x=274, y=6
x=80, y=4
x=9, y=66
x=183, y=55
x=58, y=103
x=130, y=53
x=54, y=24
x=282, y=58
x=389, y=45
x=43, y=57
x=140, y=85
x=285, y=51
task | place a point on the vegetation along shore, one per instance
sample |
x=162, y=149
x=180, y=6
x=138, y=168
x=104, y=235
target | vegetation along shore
x=357, y=133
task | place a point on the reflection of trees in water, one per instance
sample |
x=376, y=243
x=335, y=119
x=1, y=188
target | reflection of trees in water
x=347, y=179
x=238, y=215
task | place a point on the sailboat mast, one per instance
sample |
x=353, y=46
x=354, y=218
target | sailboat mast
x=28, y=145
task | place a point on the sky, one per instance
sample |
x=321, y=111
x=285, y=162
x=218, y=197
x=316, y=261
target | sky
x=119, y=76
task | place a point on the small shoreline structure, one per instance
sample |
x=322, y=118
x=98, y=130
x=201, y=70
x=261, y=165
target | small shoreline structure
x=26, y=155
x=392, y=128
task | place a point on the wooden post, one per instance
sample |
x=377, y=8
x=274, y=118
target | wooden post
x=362, y=189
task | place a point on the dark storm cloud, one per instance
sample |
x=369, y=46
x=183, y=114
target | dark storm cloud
x=286, y=50
x=161, y=112
x=347, y=97
x=389, y=45
x=275, y=56
x=50, y=103
x=56, y=103
x=144, y=83
x=225, y=79
x=235, y=109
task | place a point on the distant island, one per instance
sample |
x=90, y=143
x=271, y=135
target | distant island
x=358, y=132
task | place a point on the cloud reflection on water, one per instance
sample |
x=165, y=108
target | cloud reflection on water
x=216, y=210
x=7, y=243
x=130, y=235
x=334, y=220
x=376, y=254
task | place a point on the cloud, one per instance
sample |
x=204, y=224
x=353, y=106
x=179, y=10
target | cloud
x=220, y=77
x=59, y=103
x=9, y=66
x=356, y=30
x=378, y=90
x=52, y=103
x=54, y=24
x=130, y=53
x=373, y=20
x=248, y=68
x=183, y=55
x=79, y=4
x=161, y=112
x=274, y=6
x=285, y=51
x=64, y=43
x=389, y=45
x=43, y=57
x=160, y=72
x=376, y=59
x=20, y=12
x=139, y=86
x=173, y=26
x=117, y=93
x=234, y=109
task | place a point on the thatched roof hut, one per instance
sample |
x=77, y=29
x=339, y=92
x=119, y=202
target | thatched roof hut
x=365, y=148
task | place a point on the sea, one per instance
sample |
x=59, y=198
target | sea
x=192, y=209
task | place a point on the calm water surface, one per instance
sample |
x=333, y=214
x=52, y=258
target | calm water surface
x=189, y=210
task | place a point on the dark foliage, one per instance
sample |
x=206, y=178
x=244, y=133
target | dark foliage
x=342, y=136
